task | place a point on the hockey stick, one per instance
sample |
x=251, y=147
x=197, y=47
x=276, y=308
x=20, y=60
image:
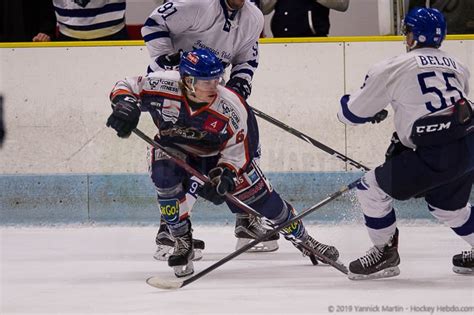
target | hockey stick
x=176, y=284
x=308, y=139
x=235, y=200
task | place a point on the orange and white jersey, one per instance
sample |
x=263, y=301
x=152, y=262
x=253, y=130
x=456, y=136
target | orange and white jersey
x=225, y=127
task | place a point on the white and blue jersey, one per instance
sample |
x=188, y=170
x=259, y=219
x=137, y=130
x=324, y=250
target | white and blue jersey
x=187, y=24
x=417, y=83
x=86, y=19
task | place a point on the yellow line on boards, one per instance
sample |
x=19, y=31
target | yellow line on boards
x=335, y=39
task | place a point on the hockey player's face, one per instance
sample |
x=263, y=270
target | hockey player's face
x=236, y=4
x=204, y=90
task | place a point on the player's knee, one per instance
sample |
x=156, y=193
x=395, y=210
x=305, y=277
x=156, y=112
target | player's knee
x=164, y=176
x=272, y=207
x=373, y=200
x=452, y=218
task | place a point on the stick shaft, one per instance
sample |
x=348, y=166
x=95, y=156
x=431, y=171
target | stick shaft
x=310, y=140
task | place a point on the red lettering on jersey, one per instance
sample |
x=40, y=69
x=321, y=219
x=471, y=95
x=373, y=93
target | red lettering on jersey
x=214, y=125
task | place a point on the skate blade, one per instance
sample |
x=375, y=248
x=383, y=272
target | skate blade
x=184, y=270
x=463, y=270
x=197, y=255
x=386, y=273
x=163, y=252
x=263, y=247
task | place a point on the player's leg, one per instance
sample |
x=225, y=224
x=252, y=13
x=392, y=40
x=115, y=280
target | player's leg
x=449, y=204
x=264, y=199
x=407, y=175
x=165, y=242
x=175, y=206
x=251, y=187
x=382, y=259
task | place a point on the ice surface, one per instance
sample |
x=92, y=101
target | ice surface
x=102, y=270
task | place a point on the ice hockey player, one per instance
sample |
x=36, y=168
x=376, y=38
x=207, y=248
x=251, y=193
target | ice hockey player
x=212, y=129
x=432, y=151
x=230, y=29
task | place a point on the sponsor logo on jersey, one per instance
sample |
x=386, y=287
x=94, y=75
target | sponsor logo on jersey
x=170, y=209
x=223, y=55
x=230, y=112
x=433, y=128
x=163, y=85
x=189, y=133
x=213, y=125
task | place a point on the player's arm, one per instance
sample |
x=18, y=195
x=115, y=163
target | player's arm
x=235, y=153
x=169, y=18
x=245, y=62
x=368, y=103
x=124, y=99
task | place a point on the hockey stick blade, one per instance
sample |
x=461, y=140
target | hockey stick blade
x=164, y=284
x=168, y=284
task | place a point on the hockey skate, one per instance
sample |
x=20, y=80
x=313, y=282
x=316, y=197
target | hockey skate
x=464, y=263
x=249, y=228
x=328, y=251
x=181, y=258
x=377, y=263
x=165, y=244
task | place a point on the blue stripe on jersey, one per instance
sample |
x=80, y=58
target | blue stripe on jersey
x=246, y=71
x=149, y=70
x=151, y=23
x=468, y=227
x=112, y=7
x=253, y=63
x=380, y=223
x=348, y=114
x=155, y=35
x=361, y=186
x=93, y=26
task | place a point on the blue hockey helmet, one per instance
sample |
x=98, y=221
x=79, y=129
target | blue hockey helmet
x=427, y=25
x=201, y=64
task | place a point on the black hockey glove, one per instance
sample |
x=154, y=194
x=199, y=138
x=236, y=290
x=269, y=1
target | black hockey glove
x=240, y=86
x=395, y=148
x=125, y=115
x=380, y=116
x=169, y=61
x=221, y=181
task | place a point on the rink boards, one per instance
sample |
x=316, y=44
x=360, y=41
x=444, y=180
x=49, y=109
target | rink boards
x=130, y=199
x=61, y=164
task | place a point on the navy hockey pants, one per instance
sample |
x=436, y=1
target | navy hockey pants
x=177, y=189
x=443, y=175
